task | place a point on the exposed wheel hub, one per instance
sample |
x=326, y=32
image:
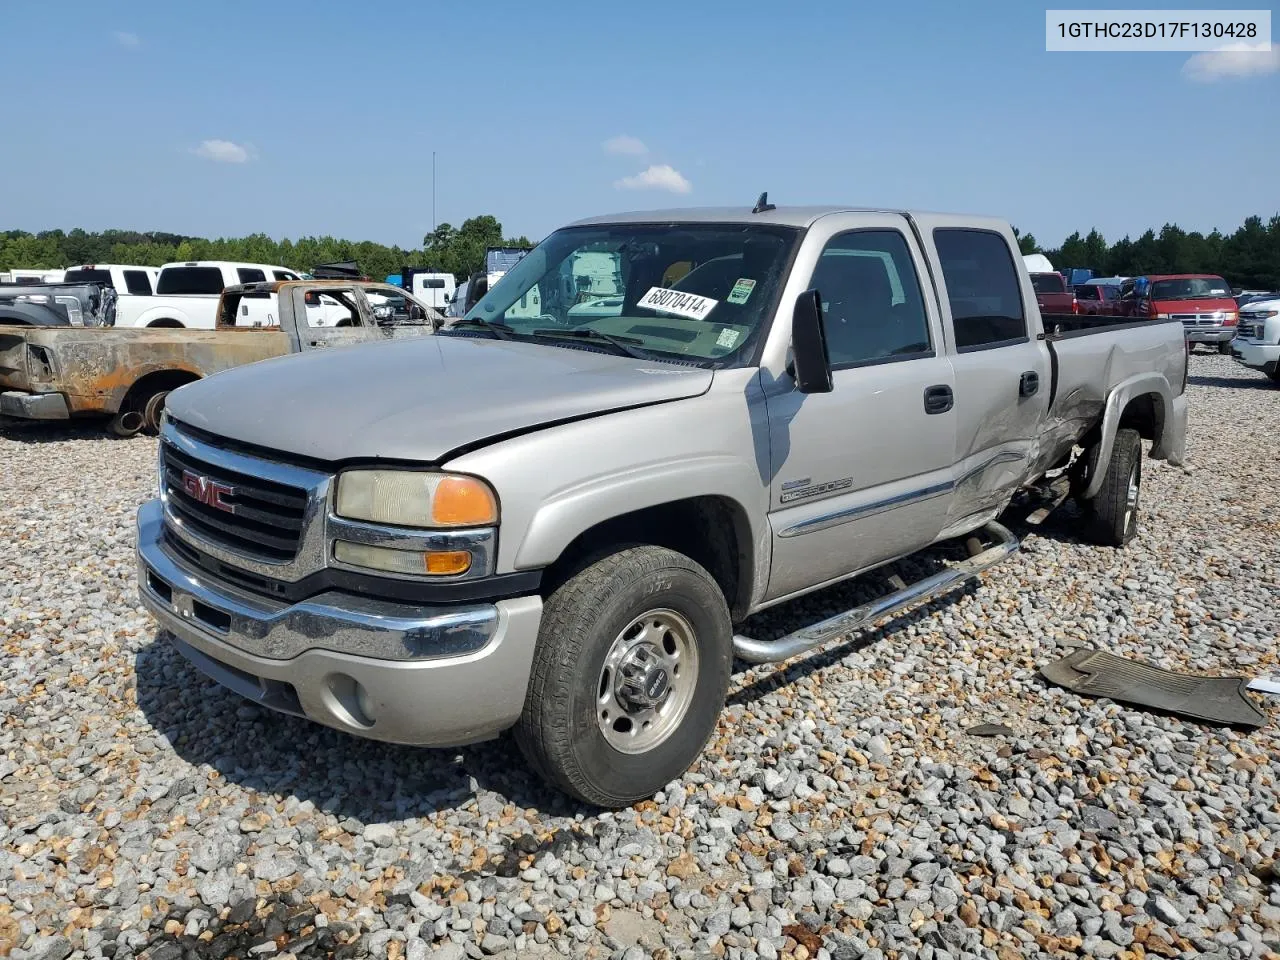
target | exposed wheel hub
x=647, y=681
x=643, y=681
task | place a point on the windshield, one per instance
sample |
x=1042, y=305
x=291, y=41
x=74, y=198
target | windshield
x=700, y=292
x=1190, y=288
x=1048, y=283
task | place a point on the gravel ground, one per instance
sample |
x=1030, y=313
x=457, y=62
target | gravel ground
x=841, y=811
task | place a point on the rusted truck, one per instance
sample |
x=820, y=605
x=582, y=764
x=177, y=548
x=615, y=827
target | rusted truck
x=60, y=373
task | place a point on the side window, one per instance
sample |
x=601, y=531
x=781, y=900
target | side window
x=282, y=275
x=137, y=282
x=872, y=307
x=250, y=276
x=982, y=285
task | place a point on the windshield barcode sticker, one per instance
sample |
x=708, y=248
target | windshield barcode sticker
x=681, y=304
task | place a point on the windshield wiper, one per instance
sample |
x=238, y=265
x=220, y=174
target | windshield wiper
x=500, y=330
x=621, y=344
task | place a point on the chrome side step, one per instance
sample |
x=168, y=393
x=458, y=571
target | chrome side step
x=815, y=635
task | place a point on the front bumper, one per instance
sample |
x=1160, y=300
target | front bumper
x=34, y=406
x=1255, y=355
x=1210, y=334
x=446, y=676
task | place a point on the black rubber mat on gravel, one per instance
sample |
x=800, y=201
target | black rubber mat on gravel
x=1216, y=700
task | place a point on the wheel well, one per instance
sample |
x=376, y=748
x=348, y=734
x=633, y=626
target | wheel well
x=710, y=530
x=153, y=383
x=1144, y=414
x=166, y=322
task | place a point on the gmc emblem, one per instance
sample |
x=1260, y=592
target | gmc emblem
x=209, y=492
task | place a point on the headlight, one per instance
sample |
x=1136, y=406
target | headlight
x=409, y=498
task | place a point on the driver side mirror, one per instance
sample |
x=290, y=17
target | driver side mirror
x=811, y=363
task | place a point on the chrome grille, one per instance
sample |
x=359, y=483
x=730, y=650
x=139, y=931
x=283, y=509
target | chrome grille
x=257, y=518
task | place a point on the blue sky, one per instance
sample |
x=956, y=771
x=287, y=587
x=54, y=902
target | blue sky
x=295, y=118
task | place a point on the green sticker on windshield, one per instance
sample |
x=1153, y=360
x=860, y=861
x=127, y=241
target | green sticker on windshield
x=741, y=291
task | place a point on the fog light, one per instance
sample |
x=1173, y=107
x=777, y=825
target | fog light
x=436, y=563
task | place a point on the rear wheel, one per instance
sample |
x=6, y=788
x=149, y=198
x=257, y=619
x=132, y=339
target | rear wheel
x=629, y=676
x=1115, y=508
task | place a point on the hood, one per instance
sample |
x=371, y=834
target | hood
x=1195, y=305
x=421, y=398
x=1260, y=306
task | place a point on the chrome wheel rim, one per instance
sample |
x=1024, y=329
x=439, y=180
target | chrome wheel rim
x=1131, y=498
x=647, y=681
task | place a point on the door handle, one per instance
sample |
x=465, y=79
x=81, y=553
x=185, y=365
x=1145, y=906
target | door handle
x=938, y=399
x=1028, y=384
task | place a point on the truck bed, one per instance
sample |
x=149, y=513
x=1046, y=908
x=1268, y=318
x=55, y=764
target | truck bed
x=1092, y=355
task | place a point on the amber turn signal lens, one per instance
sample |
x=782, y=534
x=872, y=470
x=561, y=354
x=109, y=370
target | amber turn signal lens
x=463, y=502
x=450, y=563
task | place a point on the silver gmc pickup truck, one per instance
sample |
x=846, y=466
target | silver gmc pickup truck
x=550, y=515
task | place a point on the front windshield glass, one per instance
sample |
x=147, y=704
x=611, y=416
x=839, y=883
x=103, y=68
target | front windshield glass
x=1190, y=288
x=700, y=292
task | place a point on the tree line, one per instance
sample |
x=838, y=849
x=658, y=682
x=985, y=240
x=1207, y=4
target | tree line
x=447, y=249
x=1247, y=258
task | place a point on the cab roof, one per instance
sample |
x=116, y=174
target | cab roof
x=798, y=216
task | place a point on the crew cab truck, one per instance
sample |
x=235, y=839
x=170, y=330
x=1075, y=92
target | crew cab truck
x=127, y=374
x=552, y=526
x=1257, y=345
x=186, y=294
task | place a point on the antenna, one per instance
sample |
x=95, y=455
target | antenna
x=433, y=191
x=763, y=205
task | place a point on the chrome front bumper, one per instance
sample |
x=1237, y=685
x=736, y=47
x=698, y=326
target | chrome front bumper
x=441, y=676
x=1209, y=334
x=1257, y=356
x=34, y=406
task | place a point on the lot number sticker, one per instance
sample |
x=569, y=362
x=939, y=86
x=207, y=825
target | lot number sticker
x=741, y=291
x=688, y=305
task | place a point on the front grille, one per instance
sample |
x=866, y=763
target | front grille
x=264, y=522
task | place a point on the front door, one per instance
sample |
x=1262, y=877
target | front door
x=862, y=474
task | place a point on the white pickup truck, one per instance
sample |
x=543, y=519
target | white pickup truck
x=134, y=284
x=1257, y=342
x=186, y=294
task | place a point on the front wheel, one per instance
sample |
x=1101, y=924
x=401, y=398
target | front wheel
x=629, y=676
x=1224, y=347
x=1115, y=508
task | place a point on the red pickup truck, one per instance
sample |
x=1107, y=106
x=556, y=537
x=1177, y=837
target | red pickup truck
x=1098, y=299
x=1052, y=294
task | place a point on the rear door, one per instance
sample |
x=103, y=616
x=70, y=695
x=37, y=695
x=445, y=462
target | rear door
x=861, y=474
x=1002, y=367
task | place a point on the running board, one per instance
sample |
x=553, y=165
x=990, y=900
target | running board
x=815, y=635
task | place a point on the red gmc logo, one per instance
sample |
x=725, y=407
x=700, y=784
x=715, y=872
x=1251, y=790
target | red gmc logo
x=206, y=491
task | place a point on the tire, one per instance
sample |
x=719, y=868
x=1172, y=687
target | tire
x=1115, y=508
x=1275, y=374
x=623, y=598
x=1224, y=347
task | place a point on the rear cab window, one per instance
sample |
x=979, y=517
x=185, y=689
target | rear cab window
x=189, y=280
x=89, y=276
x=982, y=287
x=1048, y=283
x=1085, y=291
x=137, y=283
